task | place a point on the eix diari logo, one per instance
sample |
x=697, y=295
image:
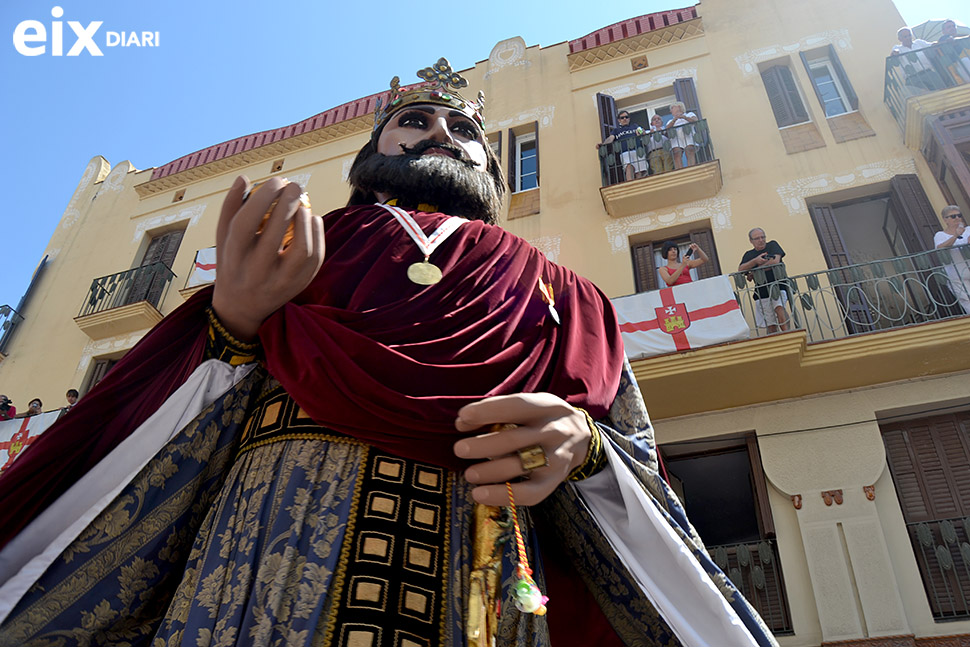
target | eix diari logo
x=28, y=32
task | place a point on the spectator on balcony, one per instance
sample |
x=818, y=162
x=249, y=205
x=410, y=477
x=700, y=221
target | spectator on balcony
x=626, y=137
x=659, y=157
x=34, y=407
x=7, y=410
x=769, y=313
x=955, y=51
x=677, y=272
x=953, y=235
x=71, y=396
x=922, y=75
x=680, y=141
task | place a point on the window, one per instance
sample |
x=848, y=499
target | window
x=831, y=84
x=524, y=157
x=723, y=488
x=149, y=280
x=495, y=143
x=783, y=95
x=97, y=372
x=647, y=258
x=929, y=460
x=526, y=162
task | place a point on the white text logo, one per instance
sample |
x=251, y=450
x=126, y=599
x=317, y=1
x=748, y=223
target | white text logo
x=29, y=32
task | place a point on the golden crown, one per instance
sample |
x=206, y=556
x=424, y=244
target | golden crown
x=438, y=79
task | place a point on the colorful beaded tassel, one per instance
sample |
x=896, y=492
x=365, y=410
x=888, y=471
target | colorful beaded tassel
x=528, y=597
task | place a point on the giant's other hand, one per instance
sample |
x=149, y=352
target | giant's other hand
x=543, y=419
x=257, y=274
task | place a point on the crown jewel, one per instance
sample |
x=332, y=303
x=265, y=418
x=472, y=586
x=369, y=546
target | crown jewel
x=438, y=79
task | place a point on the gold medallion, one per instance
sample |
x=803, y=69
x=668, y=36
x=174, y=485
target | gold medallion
x=424, y=273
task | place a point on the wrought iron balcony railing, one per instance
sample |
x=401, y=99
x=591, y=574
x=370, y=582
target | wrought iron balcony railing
x=146, y=283
x=866, y=297
x=9, y=318
x=942, y=66
x=754, y=568
x=942, y=549
x=693, y=140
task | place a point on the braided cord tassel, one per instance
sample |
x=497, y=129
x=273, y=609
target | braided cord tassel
x=528, y=597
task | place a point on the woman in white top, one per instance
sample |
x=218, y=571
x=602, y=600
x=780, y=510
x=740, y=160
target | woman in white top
x=955, y=234
x=680, y=141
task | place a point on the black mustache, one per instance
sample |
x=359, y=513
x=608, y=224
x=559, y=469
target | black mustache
x=422, y=146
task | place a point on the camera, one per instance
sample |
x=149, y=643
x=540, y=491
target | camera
x=688, y=253
x=5, y=403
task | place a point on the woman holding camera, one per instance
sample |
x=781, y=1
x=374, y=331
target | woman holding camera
x=677, y=272
x=7, y=410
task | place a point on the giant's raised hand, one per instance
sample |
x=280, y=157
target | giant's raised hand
x=543, y=419
x=257, y=273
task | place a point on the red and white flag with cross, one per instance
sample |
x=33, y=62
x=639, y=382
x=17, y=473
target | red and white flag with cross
x=683, y=317
x=17, y=434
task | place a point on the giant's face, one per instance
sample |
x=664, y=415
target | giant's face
x=425, y=122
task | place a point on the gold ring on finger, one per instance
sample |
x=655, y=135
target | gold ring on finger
x=532, y=457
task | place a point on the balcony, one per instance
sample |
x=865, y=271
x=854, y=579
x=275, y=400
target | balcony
x=657, y=187
x=755, y=570
x=927, y=82
x=125, y=302
x=867, y=297
x=849, y=327
x=9, y=319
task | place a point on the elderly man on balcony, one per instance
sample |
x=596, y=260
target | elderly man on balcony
x=769, y=313
x=922, y=75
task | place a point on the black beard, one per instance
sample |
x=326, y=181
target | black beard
x=453, y=186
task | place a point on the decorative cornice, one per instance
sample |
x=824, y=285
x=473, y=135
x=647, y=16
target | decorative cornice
x=635, y=44
x=267, y=152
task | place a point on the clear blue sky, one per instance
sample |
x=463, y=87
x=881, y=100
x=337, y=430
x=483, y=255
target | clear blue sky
x=224, y=70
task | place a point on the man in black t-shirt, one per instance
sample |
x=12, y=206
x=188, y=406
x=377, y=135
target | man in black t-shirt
x=625, y=133
x=768, y=313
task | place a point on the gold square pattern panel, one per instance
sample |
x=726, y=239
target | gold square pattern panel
x=394, y=557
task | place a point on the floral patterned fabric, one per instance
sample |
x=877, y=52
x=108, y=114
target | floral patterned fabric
x=210, y=545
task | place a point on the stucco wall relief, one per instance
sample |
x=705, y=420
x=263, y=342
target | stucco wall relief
x=654, y=82
x=717, y=210
x=793, y=193
x=507, y=53
x=748, y=61
x=95, y=171
x=542, y=114
x=192, y=214
x=115, y=181
x=106, y=346
x=828, y=496
x=548, y=245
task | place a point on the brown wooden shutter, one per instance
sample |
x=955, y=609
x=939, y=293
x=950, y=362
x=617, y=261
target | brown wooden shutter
x=686, y=93
x=930, y=463
x=606, y=111
x=766, y=522
x=147, y=284
x=101, y=368
x=704, y=238
x=535, y=129
x=915, y=215
x=836, y=256
x=786, y=104
x=929, y=460
x=512, y=161
x=644, y=268
x=829, y=236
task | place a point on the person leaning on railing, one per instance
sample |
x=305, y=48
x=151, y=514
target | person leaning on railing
x=769, y=313
x=955, y=234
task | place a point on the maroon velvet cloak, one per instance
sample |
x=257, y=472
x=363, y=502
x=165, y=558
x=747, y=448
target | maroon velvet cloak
x=364, y=351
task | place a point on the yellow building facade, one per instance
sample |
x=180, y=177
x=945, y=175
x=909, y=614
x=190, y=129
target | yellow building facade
x=803, y=456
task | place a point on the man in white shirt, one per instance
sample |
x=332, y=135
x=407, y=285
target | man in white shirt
x=918, y=70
